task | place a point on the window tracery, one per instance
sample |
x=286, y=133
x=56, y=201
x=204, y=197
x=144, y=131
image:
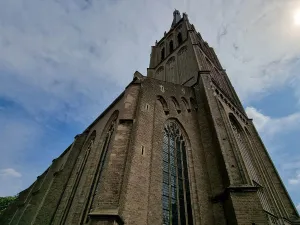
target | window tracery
x=176, y=197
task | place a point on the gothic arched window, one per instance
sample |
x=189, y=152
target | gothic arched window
x=95, y=185
x=89, y=146
x=179, y=38
x=171, y=46
x=176, y=197
x=245, y=149
x=106, y=145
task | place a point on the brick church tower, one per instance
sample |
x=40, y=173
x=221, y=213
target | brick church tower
x=176, y=147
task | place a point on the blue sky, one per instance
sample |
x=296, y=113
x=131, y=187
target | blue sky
x=62, y=62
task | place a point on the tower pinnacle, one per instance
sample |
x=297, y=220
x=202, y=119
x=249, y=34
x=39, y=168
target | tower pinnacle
x=176, y=17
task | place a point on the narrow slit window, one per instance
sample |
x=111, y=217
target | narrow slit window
x=147, y=107
x=179, y=38
x=171, y=46
x=143, y=149
x=162, y=53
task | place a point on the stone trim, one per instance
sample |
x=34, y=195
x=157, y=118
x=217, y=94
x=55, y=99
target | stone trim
x=223, y=97
x=110, y=214
x=237, y=188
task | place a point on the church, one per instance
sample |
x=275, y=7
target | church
x=175, y=148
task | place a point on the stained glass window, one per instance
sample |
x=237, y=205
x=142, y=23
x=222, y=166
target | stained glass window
x=176, y=197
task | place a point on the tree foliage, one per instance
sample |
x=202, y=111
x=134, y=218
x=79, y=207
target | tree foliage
x=5, y=201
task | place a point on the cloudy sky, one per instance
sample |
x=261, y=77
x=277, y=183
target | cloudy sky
x=62, y=62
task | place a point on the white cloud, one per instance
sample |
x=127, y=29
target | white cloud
x=295, y=180
x=298, y=207
x=270, y=126
x=256, y=42
x=67, y=53
x=18, y=135
x=53, y=59
x=293, y=164
x=259, y=119
x=11, y=182
x=284, y=154
x=10, y=172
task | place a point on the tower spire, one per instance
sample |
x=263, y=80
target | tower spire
x=176, y=18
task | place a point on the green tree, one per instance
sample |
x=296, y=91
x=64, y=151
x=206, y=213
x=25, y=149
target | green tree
x=5, y=201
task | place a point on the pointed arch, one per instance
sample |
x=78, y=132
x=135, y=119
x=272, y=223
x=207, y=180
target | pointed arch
x=91, y=138
x=181, y=129
x=163, y=103
x=186, y=104
x=89, y=144
x=182, y=50
x=172, y=59
x=82, y=165
x=159, y=74
x=242, y=145
x=161, y=68
x=176, y=193
x=193, y=104
x=245, y=150
x=106, y=139
x=176, y=104
x=234, y=120
x=263, y=193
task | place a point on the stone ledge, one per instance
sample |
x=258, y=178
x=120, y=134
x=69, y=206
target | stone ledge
x=111, y=214
x=122, y=121
x=242, y=188
x=238, y=188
